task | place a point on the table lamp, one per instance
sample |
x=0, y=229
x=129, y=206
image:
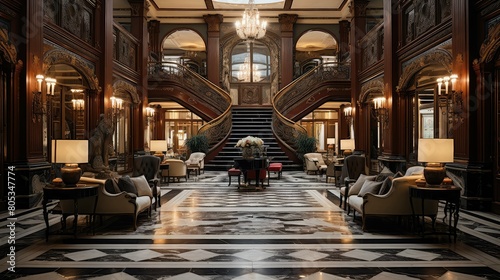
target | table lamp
x=158, y=146
x=435, y=152
x=71, y=153
x=347, y=145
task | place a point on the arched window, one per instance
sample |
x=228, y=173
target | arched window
x=250, y=63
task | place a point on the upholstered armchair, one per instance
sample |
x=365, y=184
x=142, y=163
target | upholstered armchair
x=197, y=159
x=177, y=169
x=314, y=163
x=354, y=165
x=149, y=166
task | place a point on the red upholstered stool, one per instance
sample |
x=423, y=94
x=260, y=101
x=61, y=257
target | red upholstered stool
x=234, y=172
x=276, y=167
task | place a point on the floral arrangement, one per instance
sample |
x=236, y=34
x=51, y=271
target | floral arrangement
x=250, y=141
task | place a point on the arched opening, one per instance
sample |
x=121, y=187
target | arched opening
x=313, y=48
x=185, y=47
x=251, y=72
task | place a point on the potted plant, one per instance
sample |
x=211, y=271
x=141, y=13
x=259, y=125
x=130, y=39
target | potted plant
x=305, y=144
x=197, y=143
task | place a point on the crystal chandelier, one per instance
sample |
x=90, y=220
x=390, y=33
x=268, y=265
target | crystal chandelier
x=250, y=27
x=245, y=70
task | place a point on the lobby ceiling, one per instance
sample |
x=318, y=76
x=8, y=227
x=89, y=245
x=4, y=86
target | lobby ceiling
x=192, y=11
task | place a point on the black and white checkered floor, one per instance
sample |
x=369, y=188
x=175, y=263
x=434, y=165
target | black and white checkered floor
x=291, y=230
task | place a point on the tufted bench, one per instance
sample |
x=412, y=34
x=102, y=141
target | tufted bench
x=276, y=167
x=234, y=172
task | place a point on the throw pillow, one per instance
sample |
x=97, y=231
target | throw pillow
x=356, y=187
x=111, y=186
x=386, y=185
x=142, y=186
x=414, y=170
x=370, y=187
x=126, y=185
x=384, y=174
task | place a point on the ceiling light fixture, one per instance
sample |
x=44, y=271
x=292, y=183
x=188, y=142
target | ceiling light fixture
x=250, y=27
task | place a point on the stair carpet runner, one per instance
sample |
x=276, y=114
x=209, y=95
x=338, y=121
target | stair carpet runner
x=250, y=122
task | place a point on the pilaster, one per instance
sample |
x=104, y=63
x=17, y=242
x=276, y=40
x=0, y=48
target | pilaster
x=213, y=50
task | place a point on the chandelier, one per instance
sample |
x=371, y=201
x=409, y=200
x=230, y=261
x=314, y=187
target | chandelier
x=250, y=27
x=245, y=70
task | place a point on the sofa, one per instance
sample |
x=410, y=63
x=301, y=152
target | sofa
x=111, y=201
x=395, y=202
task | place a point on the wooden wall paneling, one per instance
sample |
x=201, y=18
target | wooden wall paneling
x=213, y=49
x=287, y=48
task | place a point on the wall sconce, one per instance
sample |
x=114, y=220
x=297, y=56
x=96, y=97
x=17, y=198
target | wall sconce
x=348, y=114
x=450, y=100
x=116, y=106
x=381, y=113
x=150, y=113
x=78, y=105
x=39, y=108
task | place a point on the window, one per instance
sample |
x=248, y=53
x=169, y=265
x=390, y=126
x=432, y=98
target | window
x=250, y=63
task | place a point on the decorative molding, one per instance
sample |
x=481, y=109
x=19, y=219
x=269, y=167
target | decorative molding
x=372, y=86
x=62, y=56
x=437, y=56
x=6, y=46
x=357, y=8
x=425, y=16
x=287, y=21
x=121, y=87
x=213, y=22
x=490, y=45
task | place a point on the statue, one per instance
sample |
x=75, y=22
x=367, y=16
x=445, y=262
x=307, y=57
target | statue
x=101, y=146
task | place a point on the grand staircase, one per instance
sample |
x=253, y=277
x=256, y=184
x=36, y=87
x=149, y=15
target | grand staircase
x=250, y=122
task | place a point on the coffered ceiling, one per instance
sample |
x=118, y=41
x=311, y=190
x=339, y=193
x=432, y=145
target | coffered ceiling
x=192, y=11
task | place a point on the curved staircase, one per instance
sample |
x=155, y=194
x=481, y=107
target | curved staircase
x=250, y=122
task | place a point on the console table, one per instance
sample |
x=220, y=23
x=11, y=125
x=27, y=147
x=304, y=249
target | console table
x=449, y=194
x=255, y=164
x=74, y=193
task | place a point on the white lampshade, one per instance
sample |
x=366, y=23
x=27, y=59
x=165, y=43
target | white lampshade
x=158, y=145
x=70, y=151
x=435, y=150
x=330, y=141
x=347, y=144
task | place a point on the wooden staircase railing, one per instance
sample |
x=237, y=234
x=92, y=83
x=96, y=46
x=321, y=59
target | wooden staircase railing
x=304, y=92
x=197, y=94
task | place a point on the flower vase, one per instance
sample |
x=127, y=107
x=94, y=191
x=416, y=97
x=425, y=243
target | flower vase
x=247, y=152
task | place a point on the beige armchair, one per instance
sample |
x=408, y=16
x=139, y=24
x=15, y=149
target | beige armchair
x=177, y=169
x=396, y=202
x=196, y=159
x=108, y=204
x=314, y=163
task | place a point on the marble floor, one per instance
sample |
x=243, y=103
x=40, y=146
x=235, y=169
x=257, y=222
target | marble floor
x=206, y=229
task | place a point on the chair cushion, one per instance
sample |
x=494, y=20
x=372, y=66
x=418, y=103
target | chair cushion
x=275, y=166
x=414, y=170
x=234, y=172
x=386, y=172
x=126, y=185
x=142, y=186
x=356, y=187
x=370, y=187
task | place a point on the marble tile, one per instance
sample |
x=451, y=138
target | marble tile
x=417, y=254
x=43, y=276
x=85, y=255
x=253, y=255
x=115, y=276
x=142, y=255
x=362, y=255
x=308, y=255
x=323, y=276
x=186, y=276
x=197, y=255
x=392, y=276
x=458, y=276
x=254, y=276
